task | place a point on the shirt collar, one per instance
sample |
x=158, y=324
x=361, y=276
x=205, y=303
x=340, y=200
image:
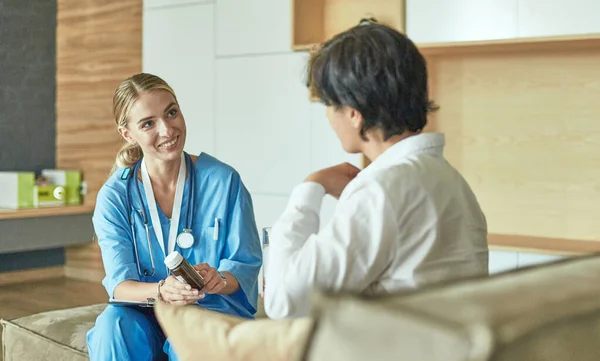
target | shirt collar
x=431, y=143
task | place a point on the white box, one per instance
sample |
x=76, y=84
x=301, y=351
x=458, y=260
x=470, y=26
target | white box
x=16, y=189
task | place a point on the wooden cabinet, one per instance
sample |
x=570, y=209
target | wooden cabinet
x=178, y=46
x=315, y=21
x=436, y=21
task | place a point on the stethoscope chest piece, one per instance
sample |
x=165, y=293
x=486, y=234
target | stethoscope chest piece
x=185, y=239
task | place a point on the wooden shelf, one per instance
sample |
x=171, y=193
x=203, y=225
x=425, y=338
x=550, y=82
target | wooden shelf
x=45, y=212
x=305, y=47
x=542, y=244
x=571, y=42
x=315, y=21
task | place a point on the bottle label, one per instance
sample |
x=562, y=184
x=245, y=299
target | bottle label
x=180, y=279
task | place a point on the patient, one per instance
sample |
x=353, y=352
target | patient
x=406, y=220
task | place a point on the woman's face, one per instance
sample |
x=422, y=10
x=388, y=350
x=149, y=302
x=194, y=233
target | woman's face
x=156, y=124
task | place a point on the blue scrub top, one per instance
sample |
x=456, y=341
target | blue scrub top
x=219, y=194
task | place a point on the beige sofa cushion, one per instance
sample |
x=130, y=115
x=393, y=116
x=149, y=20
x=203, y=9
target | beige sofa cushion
x=199, y=334
x=51, y=336
x=550, y=312
x=56, y=335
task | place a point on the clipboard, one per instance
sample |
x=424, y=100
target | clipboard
x=149, y=303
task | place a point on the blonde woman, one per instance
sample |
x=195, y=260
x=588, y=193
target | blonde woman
x=159, y=199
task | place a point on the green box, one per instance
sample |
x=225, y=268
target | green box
x=49, y=196
x=16, y=189
x=69, y=179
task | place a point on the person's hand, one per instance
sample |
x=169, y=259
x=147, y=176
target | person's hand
x=176, y=292
x=213, y=283
x=334, y=179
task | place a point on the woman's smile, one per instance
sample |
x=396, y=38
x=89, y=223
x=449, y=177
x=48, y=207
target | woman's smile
x=169, y=144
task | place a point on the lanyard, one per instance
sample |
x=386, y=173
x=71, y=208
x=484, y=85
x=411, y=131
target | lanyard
x=176, y=206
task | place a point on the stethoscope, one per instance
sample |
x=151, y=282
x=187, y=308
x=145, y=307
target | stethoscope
x=185, y=239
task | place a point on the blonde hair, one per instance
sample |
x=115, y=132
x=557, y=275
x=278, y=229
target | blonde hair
x=125, y=95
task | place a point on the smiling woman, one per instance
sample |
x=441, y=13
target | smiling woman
x=137, y=229
x=139, y=99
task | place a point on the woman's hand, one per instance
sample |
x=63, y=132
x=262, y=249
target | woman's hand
x=176, y=292
x=213, y=282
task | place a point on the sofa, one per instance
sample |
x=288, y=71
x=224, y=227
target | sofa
x=55, y=335
x=548, y=312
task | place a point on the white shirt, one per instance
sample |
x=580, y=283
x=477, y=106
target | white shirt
x=406, y=220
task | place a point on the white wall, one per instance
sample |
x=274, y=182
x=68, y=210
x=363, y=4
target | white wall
x=477, y=20
x=501, y=261
x=178, y=45
x=242, y=92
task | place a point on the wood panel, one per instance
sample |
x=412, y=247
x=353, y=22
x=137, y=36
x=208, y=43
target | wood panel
x=37, y=274
x=99, y=43
x=542, y=245
x=522, y=128
x=315, y=21
x=535, y=44
x=24, y=299
x=45, y=211
x=341, y=15
x=307, y=22
x=84, y=263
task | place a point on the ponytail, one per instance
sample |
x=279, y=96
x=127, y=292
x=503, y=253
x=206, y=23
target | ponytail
x=127, y=156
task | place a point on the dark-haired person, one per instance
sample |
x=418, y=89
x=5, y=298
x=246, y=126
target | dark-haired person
x=406, y=220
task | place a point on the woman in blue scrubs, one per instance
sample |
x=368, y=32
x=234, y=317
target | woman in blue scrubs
x=154, y=182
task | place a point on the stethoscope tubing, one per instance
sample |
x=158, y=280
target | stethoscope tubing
x=190, y=213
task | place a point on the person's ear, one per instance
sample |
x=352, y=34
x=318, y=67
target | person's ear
x=356, y=119
x=126, y=135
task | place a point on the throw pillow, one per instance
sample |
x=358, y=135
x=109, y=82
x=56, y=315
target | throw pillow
x=199, y=334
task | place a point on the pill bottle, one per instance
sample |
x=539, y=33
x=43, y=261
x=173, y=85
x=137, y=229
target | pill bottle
x=183, y=270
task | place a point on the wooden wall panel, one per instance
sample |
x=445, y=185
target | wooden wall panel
x=342, y=15
x=315, y=21
x=99, y=43
x=523, y=129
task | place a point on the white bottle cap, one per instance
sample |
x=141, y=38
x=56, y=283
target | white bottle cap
x=173, y=260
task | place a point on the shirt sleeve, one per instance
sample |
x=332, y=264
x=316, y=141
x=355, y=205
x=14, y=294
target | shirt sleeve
x=111, y=226
x=348, y=254
x=243, y=253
